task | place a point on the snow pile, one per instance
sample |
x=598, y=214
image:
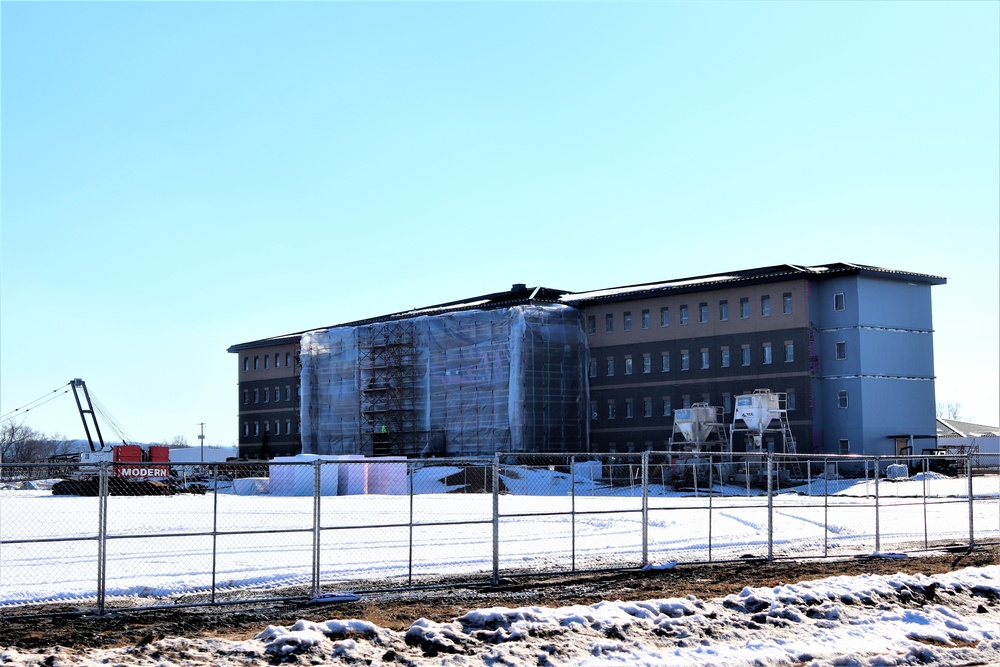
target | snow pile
x=867, y=621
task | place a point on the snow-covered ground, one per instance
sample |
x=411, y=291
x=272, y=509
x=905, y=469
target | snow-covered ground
x=867, y=621
x=164, y=549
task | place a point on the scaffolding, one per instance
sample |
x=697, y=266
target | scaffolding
x=388, y=390
x=468, y=383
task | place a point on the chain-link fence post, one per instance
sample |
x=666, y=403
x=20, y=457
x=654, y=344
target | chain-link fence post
x=645, y=508
x=215, y=525
x=710, y=494
x=410, y=473
x=878, y=531
x=496, y=519
x=924, y=479
x=317, y=514
x=102, y=536
x=770, y=506
x=572, y=512
x=968, y=473
x=826, y=507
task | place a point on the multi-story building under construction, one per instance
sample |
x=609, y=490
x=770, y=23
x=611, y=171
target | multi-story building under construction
x=849, y=349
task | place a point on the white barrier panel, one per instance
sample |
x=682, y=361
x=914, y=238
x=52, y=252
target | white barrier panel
x=251, y=486
x=352, y=477
x=387, y=476
x=298, y=480
x=588, y=470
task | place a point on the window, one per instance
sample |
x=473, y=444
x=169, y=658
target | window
x=628, y=364
x=704, y=357
x=745, y=355
x=723, y=310
x=786, y=303
x=703, y=312
x=727, y=402
x=664, y=362
x=256, y=428
x=744, y=308
x=647, y=363
x=288, y=359
x=790, y=399
x=277, y=360
x=647, y=407
x=593, y=368
x=256, y=362
x=246, y=397
x=246, y=363
x=842, y=399
x=267, y=358
x=686, y=401
x=725, y=356
x=645, y=318
x=841, y=350
x=845, y=446
x=789, y=351
x=277, y=394
x=246, y=428
x=765, y=306
x=591, y=324
x=611, y=408
x=684, y=315
x=267, y=395
x=706, y=399
x=277, y=427
x=288, y=392
x=593, y=410
x=838, y=301
x=288, y=427
x=664, y=317
x=611, y=366
x=767, y=353
x=267, y=427
x=685, y=360
x=609, y=323
x=666, y=406
x=629, y=408
x=256, y=395
x=627, y=323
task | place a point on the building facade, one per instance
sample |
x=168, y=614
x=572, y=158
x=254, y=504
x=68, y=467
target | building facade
x=269, y=390
x=850, y=348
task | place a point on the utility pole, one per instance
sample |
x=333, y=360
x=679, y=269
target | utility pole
x=201, y=438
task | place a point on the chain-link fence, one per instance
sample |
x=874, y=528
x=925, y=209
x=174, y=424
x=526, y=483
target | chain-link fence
x=116, y=536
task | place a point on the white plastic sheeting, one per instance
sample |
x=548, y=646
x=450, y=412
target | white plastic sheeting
x=504, y=380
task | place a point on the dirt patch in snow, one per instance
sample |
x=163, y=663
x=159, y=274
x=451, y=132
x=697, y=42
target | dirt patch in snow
x=398, y=610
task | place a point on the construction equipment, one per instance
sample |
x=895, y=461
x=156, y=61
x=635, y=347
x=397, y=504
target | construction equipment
x=134, y=470
x=699, y=439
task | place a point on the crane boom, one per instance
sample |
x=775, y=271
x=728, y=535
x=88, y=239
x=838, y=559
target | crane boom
x=78, y=383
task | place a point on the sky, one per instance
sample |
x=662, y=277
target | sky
x=177, y=178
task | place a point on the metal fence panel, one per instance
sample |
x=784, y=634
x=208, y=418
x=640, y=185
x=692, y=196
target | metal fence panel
x=282, y=529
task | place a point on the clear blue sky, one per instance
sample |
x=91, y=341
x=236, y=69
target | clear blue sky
x=180, y=177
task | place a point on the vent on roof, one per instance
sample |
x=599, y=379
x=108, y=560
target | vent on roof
x=518, y=287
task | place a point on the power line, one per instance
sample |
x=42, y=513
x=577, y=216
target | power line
x=38, y=402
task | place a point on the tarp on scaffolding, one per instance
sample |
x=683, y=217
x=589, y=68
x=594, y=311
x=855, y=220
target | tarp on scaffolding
x=464, y=383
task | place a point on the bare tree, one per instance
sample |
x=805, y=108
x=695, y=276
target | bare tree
x=949, y=410
x=19, y=443
x=178, y=441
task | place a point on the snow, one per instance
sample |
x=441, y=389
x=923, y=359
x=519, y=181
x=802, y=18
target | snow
x=864, y=621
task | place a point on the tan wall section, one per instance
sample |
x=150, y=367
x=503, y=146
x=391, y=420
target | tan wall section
x=799, y=316
x=272, y=371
